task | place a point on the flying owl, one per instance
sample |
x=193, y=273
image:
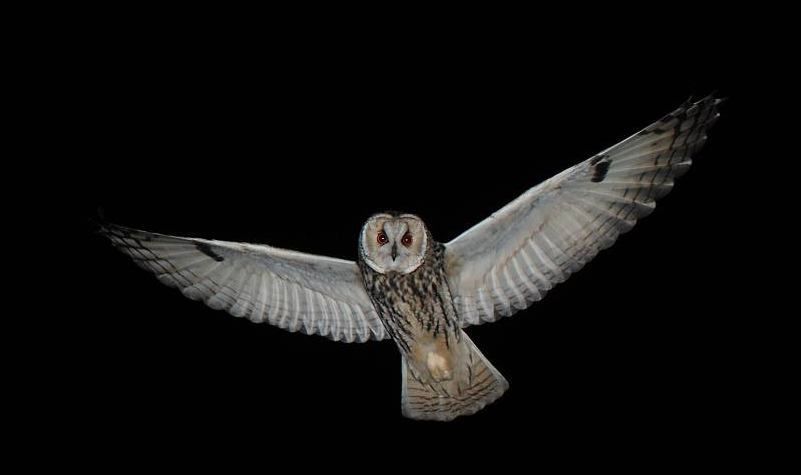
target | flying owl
x=422, y=293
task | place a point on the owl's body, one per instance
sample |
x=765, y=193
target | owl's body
x=422, y=293
x=444, y=374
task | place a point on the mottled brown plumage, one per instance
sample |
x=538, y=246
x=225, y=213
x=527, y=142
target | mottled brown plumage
x=444, y=374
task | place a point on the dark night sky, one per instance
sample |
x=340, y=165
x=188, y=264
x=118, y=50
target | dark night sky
x=297, y=151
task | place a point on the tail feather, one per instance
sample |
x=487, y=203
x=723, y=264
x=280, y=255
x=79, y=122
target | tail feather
x=433, y=401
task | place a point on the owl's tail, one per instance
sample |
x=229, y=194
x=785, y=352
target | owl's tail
x=482, y=385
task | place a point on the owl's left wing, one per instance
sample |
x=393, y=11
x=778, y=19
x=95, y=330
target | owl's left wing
x=512, y=258
x=291, y=290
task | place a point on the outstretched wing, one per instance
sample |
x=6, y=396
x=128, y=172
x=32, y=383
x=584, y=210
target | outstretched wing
x=512, y=258
x=292, y=290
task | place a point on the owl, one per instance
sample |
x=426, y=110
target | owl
x=421, y=293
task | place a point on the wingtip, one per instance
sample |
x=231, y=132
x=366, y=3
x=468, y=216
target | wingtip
x=103, y=226
x=99, y=221
x=709, y=98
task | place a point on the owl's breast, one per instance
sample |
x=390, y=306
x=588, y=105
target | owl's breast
x=417, y=310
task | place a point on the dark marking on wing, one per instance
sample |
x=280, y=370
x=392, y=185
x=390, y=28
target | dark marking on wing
x=206, y=249
x=600, y=172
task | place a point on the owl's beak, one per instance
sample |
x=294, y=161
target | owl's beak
x=394, y=250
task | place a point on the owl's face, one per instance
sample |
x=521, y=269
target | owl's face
x=393, y=242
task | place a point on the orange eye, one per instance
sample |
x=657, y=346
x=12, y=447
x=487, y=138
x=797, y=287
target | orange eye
x=382, y=238
x=407, y=240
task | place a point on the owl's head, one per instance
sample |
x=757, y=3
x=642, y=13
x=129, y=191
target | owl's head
x=393, y=242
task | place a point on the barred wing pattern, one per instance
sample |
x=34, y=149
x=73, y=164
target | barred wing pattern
x=512, y=258
x=294, y=291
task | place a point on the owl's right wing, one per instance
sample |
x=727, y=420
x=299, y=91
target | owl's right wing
x=294, y=291
x=512, y=258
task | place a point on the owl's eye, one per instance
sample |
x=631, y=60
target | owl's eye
x=406, y=240
x=382, y=238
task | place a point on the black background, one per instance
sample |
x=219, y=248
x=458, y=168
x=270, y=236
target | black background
x=295, y=146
